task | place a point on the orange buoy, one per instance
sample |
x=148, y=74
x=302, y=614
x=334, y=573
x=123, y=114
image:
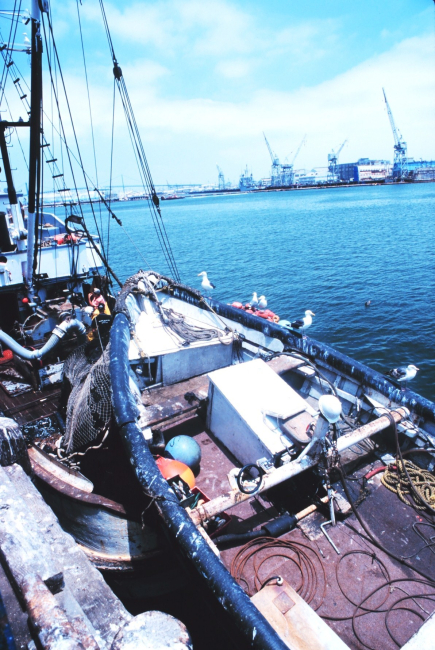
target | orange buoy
x=237, y=305
x=170, y=468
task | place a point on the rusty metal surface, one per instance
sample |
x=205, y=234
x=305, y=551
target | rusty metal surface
x=49, y=481
x=54, y=629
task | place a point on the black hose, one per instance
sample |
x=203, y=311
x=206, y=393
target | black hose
x=274, y=528
x=179, y=526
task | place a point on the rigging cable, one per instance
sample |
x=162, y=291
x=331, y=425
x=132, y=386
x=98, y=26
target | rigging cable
x=90, y=110
x=111, y=160
x=80, y=161
x=50, y=154
x=11, y=42
x=101, y=253
x=144, y=169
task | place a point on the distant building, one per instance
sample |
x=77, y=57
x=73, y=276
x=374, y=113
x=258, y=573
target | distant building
x=420, y=170
x=374, y=170
x=363, y=170
x=314, y=176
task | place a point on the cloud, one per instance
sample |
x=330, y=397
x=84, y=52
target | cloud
x=348, y=106
x=233, y=69
x=215, y=28
x=192, y=116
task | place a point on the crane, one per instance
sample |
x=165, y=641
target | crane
x=221, y=183
x=304, y=139
x=333, y=162
x=287, y=174
x=276, y=167
x=400, y=169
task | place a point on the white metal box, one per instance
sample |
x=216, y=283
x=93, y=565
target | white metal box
x=246, y=402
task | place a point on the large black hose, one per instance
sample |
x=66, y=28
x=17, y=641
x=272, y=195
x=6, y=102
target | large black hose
x=275, y=528
x=57, y=335
x=197, y=553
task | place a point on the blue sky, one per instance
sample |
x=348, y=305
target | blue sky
x=206, y=78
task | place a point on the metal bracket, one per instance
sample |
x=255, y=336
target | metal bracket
x=322, y=526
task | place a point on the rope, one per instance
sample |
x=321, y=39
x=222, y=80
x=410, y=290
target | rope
x=90, y=109
x=409, y=479
x=139, y=152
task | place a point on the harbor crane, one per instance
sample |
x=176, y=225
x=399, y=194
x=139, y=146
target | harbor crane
x=221, y=182
x=400, y=168
x=303, y=141
x=333, y=163
x=287, y=176
x=276, y=167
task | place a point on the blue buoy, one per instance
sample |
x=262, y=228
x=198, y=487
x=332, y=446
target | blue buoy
x=186, y=450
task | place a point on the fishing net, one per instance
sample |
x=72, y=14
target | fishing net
x=89, y=408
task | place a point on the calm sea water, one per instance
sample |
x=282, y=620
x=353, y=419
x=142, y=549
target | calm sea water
x=327, y=250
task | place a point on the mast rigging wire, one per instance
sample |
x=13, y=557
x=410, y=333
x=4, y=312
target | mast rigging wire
x=144, y=170
x=53, y=61
x=90, y=112
x=101, y=254
x=7, y=64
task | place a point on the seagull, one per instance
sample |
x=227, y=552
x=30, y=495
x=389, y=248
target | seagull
x=403, y=373
x=254, y=301
x=262, y=302
x=305, y=322
x=368, y=303
x=206, y=284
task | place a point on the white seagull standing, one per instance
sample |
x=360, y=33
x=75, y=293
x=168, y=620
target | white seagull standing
x=254, y=301
x=262, y=302
x=305, y=322
x=403, y=373
x=206, y=284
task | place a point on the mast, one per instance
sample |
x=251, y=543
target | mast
x=35, y=138
x=19, y=234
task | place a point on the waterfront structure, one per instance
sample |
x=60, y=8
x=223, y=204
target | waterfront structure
x=246, y=182
x=221, y=182
x=332, y=164
x=372, y=170
x=400, y=169
x=315, y=176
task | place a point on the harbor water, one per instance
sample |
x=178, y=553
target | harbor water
x=328, y=250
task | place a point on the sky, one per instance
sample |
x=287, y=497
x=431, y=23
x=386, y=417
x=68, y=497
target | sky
x=207, y=77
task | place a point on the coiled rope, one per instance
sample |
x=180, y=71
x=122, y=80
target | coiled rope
x=409, y=479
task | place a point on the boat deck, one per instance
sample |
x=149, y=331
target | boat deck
x=335, y=584
x=29, y=405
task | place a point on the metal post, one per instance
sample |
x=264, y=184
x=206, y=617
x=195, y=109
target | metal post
x=283, y=473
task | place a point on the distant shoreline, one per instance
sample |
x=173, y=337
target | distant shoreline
x=316, y=186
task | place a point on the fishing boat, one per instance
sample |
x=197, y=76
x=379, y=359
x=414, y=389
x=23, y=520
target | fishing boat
x=191, y=447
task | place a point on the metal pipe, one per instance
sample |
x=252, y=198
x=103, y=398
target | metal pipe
x=230, y=499
x=58, y=333
x=184, y=534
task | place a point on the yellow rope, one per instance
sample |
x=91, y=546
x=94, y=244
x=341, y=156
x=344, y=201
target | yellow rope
x=422, y=480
